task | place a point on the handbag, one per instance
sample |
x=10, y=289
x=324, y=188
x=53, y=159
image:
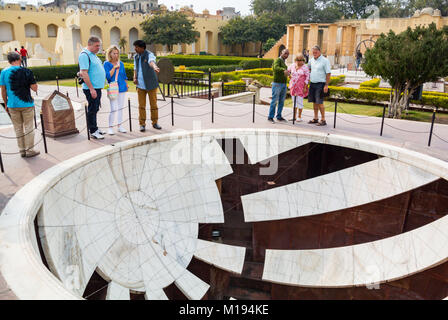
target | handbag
x=113, y=90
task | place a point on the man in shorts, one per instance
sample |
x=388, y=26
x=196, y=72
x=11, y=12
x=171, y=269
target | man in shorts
x=319, y=81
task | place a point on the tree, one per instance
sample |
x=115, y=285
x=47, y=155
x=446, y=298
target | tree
x=269, y=44
x=408, y=60
x=169, y=29
x=356, y=9
x=268, y=26
x=240, y=31
x=395, y=9
x=442, y=5
x=122, y=43
x=267, y=6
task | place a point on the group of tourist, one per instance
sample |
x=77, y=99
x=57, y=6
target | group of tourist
x=94, y=73
x=305, y=80
x=17, y=80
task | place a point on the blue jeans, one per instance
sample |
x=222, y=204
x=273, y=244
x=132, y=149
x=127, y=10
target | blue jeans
x=278, y=95
x=92, y=109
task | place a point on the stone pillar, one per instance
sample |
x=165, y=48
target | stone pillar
x=331, y=42
x=313, y=35
x=298, y=42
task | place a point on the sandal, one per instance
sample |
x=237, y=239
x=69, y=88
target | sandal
x=313, y=121
x=322, y=123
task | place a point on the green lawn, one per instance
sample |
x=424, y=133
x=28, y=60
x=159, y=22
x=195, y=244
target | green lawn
x=374, y=111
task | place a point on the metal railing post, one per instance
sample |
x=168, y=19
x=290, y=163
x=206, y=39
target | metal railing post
x=130, y=118
x=432, y=126
x=209, y=84
x=1, y=163
x=253, y=109
x=382, y=121
x=172, y=111
x=43, y=132
x=335, y=113
x=87, y=122
x=213, y=109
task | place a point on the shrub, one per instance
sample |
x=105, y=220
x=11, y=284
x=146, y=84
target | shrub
x=192, y=60
x=337, y=80
x=225, y=68
x=373, y=83
x=372, y=95
x=235, y=83
x=435, y=101
x=123, y=58
x=48, y=73
x=256, y=63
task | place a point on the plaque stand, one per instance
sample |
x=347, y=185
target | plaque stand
x=58, y=115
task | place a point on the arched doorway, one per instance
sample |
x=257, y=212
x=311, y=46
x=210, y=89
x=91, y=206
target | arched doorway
x=96, y=31
x=6, y=32
x=52, y=31
x=115, y=35
x=133, y=36
x=208, y=41
x=31, y=30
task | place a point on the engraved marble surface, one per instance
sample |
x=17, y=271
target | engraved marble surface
x=361, y=265
x=134, y=215
x=362, y=184
x=101, y=211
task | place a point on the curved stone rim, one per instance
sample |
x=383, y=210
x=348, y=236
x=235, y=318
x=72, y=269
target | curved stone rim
x=20, y=261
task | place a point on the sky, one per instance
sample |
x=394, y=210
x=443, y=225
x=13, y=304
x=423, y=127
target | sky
x=242, y=6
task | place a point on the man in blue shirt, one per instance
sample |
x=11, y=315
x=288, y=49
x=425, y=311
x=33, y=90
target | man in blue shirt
x=319, y=81
x=94, y=76
x=15, y=83
x=145, y=77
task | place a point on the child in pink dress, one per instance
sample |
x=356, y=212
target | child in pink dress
x=298, y=84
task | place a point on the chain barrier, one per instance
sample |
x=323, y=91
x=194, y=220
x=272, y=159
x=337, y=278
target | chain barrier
x=16, y=153
x=404, y=130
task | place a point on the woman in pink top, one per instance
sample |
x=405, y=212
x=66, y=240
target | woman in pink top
x=298, y=84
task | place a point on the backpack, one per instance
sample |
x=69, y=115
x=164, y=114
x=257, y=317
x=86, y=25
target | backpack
x=78, y=75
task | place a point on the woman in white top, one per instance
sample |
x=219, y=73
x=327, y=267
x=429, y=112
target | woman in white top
x=115, y=72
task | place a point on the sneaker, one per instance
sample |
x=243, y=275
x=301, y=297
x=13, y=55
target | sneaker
x=281, y=119
x=97, y=135
x=31, y=153
x=121, y=129
x=102, y=132
x=111, y=131
x=156, y=126
x=299, y=120
x=271, y=120
x=142, y=129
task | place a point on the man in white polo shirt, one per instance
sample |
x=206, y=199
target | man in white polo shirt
x=319, y=81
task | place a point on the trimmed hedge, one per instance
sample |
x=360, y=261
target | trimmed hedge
x=49, y=73
x=374, y=83
x=123, y=58
x=235, y=83
x=383, y=95
x=425, y=93
x=337, y=80
x=214, y=69
x=192, y=60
